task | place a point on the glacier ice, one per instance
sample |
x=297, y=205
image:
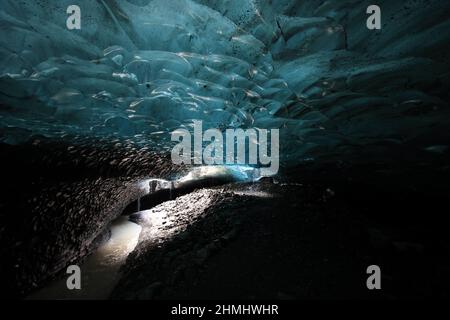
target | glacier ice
x=140, y=68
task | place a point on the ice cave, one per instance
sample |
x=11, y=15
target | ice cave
x=86, y=116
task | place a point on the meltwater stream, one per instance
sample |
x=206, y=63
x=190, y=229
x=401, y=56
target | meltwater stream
x=99, y=272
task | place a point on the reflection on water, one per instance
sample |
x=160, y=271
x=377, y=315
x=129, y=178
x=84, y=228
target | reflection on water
x=99, y=272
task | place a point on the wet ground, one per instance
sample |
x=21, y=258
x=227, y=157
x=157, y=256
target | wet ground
x=58, y=200
x=311, y=232
x=284, y=241
x=100, y=270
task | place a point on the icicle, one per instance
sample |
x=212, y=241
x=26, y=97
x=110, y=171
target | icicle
x=171, y=186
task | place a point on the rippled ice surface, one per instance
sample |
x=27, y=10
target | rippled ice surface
x=140, y=69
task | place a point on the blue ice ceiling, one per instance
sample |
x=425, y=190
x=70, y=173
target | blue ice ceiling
x=138, y=69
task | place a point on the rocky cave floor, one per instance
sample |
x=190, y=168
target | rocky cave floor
x=309, y=233
x=286, y=241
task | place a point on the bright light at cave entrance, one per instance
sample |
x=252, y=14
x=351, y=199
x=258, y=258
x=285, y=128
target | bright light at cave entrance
x=235, y=173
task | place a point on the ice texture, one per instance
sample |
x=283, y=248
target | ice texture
x=139, y=69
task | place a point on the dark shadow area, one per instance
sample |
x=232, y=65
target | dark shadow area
x=311, y=241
